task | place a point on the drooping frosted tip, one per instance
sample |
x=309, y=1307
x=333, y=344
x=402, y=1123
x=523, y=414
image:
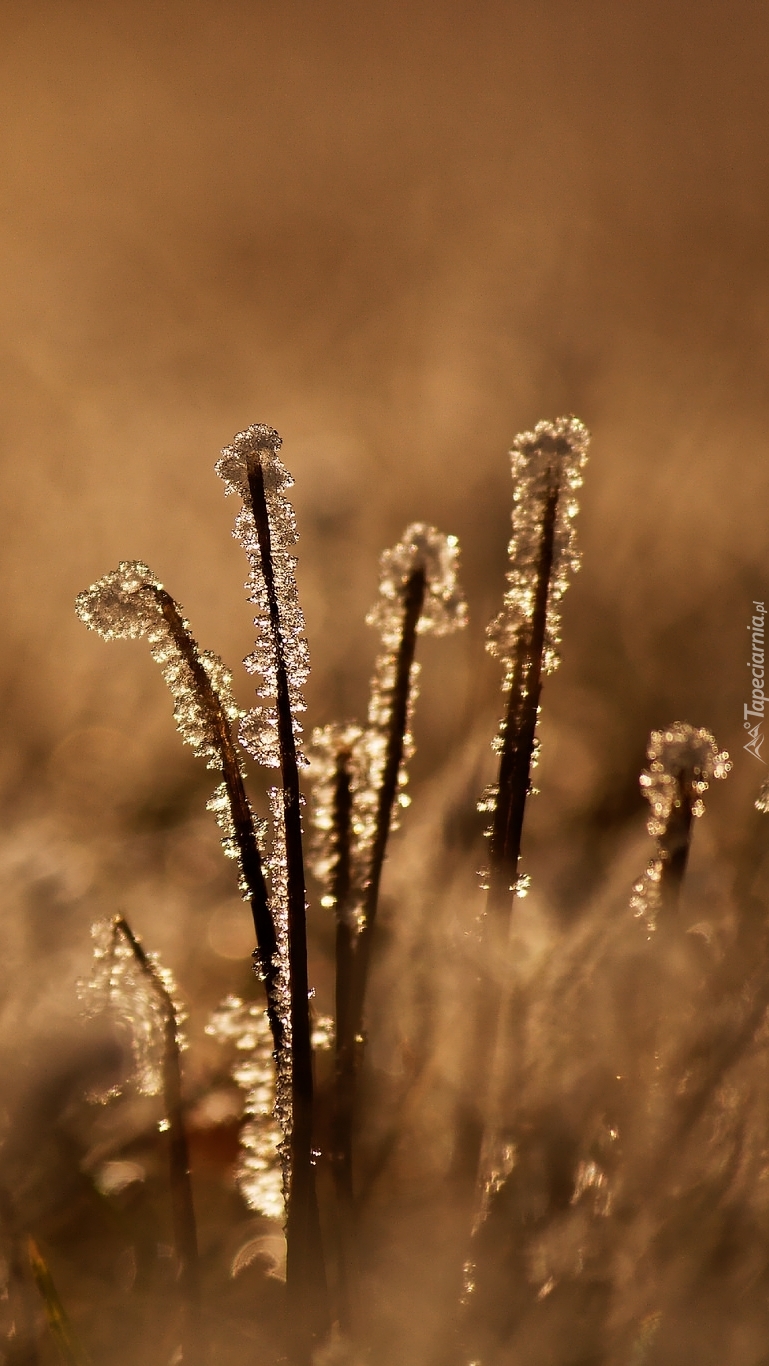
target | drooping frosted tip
x=679, y=755
x=116, y=607
x=444, y=608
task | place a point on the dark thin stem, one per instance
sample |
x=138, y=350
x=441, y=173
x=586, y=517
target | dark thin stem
x=413, y=601
x=62, y=1332
x=242, y=819
x=520, y=724
x=183, y=1210
x=341, y=1120
x=675, y=843
x=353, y=945
x=305, y=1272
x=481, y=1132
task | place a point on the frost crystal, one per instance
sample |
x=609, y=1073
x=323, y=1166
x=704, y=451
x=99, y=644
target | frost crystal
x=118, y=983
x=679, y=757
x=130, y=602
x=278, y=872
x=682, y=763
x=548, y=461
x=443, y=609
x=332, y=746
x=257, y=448
x=259, y=1169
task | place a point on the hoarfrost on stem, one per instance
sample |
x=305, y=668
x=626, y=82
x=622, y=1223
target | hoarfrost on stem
x=277, y=865
x=131, y=602
x=258, y=446
x=259, y=1172
x=433, y=557
x=683, y=761
x=547, y=466
x=444, y=608
x=119, y=984
x=335, y=755
x=548, y=461
x=128, y=603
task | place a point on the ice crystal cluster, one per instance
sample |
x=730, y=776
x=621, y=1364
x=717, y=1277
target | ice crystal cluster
x=140, y=1000
x=259, y=1172
x=130, y=602
x=277, y=867
x=263, y=1172
x=332, y=746
x=257, y=447
x=682, y=763
x=443, y=610
x=547, y=461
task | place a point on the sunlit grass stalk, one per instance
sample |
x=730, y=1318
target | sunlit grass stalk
x=305, y=1270
x=240, y=810
x=182, y=1206
x=353, y=940
x=359, y=782
x=68, y=1345
x=116, y=607
x=682, y=761
x=344, y=959
x=547, y=465
x=520, y=723
x=348, y=1047
x=547, y=469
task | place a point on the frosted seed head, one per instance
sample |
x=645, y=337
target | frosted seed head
x=548, y=461
x=260, y=440
x=444, y=608
x=118, y=606
x=762, y=800
x=680, y=757
x=129, y=602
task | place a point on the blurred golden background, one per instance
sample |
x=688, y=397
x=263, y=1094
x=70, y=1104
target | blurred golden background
x=399, y=234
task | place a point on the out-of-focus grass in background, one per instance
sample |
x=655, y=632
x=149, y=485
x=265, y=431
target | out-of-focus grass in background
x=399, y=234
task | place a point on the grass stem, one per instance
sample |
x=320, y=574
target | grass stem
x=182, y=1207
x=242, y=819
x=305, y=1270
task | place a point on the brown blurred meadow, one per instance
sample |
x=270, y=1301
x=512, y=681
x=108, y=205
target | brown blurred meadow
x=399, y=235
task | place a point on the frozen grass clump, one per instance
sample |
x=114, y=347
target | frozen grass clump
x=576, y=1139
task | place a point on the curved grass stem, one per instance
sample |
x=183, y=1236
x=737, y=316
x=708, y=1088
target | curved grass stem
x=182, y=1206
x=240, y=810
